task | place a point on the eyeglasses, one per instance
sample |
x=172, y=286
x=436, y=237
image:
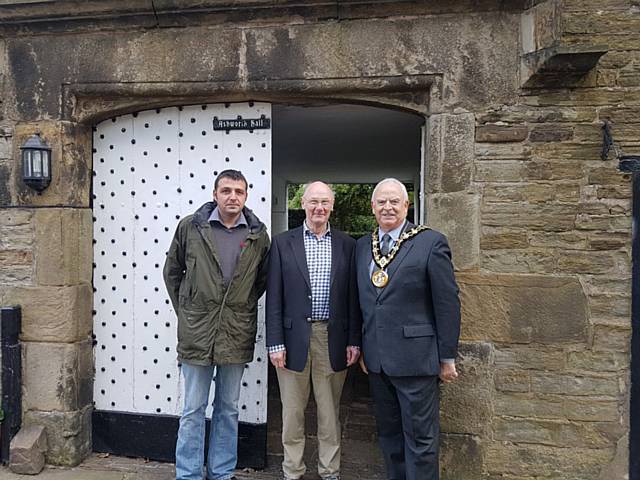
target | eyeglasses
x=316, y=203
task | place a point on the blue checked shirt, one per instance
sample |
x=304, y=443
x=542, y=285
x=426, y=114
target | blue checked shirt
x=318, y=253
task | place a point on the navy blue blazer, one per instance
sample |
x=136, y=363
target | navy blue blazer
x=289, y=299
x=414, y=321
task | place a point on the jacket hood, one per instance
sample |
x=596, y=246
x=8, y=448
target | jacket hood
x=201, y=217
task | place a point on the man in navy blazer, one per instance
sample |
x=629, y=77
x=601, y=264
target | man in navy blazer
x=314, y=328
x=411, y=324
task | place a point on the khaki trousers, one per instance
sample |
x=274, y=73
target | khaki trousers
x=294, y=393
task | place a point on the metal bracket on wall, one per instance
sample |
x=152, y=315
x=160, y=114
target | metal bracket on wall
x=10, y=321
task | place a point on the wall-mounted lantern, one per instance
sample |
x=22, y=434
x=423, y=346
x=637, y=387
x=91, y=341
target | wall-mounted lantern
x=36, y=163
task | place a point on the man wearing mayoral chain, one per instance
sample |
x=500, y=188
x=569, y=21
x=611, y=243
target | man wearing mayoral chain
x=411, y=324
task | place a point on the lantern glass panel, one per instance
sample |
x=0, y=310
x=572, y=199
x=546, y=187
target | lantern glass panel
x=45, y=164
x=37, y=163
x=26, y=163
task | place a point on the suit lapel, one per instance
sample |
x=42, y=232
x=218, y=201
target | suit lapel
x=297, y=245
x=365, y=260
x=397, y=261
x=336, y=255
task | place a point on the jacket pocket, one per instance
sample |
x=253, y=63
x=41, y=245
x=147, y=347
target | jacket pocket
x=286, y=322
x=411, y=331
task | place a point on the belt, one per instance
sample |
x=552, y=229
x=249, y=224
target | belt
x=312, y=320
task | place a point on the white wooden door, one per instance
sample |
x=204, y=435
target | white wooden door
x=151, y=169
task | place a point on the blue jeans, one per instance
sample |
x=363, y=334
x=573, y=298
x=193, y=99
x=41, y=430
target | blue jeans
x=223, y=438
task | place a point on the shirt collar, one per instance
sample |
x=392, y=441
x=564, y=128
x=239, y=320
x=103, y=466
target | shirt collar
x=215, y=217
x=394, y=234
x=307, y=230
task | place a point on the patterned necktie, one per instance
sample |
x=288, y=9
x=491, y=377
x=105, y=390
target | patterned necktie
x=386, y=243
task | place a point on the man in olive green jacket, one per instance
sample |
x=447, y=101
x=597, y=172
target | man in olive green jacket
x=215, y=273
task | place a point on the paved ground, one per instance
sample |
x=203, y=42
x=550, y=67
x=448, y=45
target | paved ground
x=361, y=458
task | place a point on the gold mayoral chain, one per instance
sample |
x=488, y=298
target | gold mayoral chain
x=380, y=277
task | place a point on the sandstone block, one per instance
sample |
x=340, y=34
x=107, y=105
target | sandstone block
x=551, y=133
x=598, y=361
x=27, y=449
x=502, y=151
x=63, y=246
x=461, y=457
x=546, y=461
x=609, y=223
x=54, y=314
x=498, y=239
x=507, y=380
x=567, y=170
x=56, y=376
x=530, y=357
x=504, y=171
x=611, y=338
x=457, y=152
x=457, y=216
x=530, y=261
x=523, y=308
x=17, y=229
x=563, y=384
x=585, y=262
x=611, y=305
x=501, y=133
x=526, y=405
x=467, y=405
x=69, y=434
x=591, y=409
x=556, y=433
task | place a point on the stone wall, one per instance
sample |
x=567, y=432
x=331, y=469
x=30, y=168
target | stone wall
x=539, y=225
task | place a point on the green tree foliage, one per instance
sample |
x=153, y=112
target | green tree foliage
x=352, y=208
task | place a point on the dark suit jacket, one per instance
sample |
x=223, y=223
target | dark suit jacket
x=289, y=299
x=414, y=321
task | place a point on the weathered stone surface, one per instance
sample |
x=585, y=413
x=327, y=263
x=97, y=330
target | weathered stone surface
x=16, y=229
x=587, y=361
x=68, y=434
x=63, y=246
x=462, y=457
x=546, y=461
x=502, y=151
x=531, y=261
x=610, y=305
x=26, y=455
x=53, y=314
x=557, y=433
x=551, y=133
x=497, y=239
x=560, y=406
x=530, y=357
x=457, y=152
x=523, y=308
x=611, y=338
x=563, y=384
x=565, y=240
x=512, y=381
x=500, y=171
x=56, y=377
x=549, y=217
x=467, y=405
x=585, y=262
x=70, y=175
x=493, y=133
x=611, y=223
x=532, y=192
x=457, y=216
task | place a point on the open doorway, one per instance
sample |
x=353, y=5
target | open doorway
x=351, y=147
x=342, y=144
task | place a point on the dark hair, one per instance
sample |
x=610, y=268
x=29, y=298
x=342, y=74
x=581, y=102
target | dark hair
x=231, y=174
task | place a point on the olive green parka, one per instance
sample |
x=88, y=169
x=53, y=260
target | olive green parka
x=216, y=325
